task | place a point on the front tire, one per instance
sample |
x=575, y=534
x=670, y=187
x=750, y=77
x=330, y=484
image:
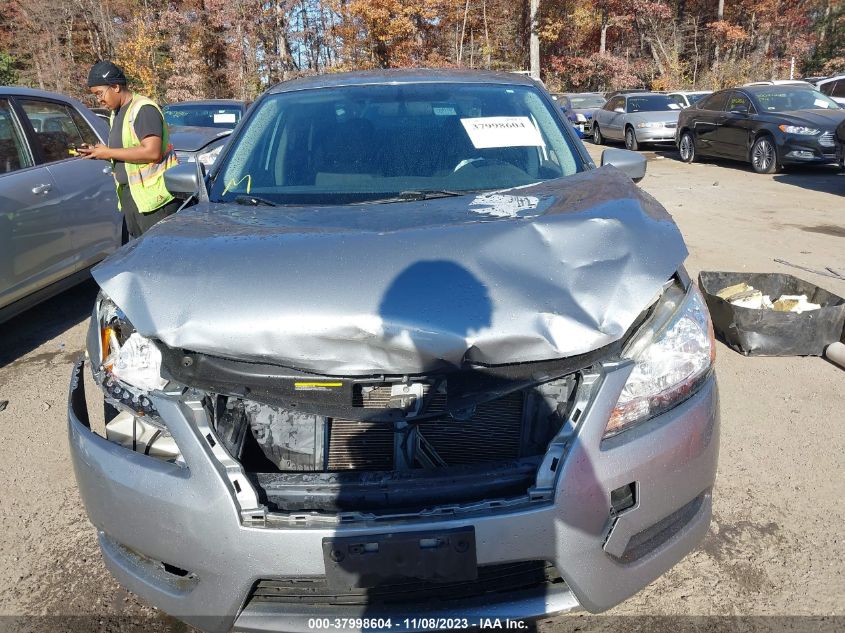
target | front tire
x=631, y=142
x=686, y=147
x=764, y=156
x=598, y=139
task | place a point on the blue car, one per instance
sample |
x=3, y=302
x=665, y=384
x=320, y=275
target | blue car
x=579, y=108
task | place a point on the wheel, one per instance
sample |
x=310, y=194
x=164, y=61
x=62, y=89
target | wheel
x=687, y=148
x=631, y=139
x=764, y=156
x=598, y=139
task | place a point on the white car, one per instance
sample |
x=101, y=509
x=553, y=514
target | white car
x=833, y=87
x=686, y=98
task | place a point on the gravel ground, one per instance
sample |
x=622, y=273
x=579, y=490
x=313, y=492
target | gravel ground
x=775, y=551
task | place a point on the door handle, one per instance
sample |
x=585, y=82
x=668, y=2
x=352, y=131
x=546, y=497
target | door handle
x=41, y=189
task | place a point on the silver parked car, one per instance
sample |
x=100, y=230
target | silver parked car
x=636, y=118
x=413, y=359
x=58, y=212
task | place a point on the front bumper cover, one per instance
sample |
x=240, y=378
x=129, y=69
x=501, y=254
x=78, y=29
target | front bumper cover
x=148, y=512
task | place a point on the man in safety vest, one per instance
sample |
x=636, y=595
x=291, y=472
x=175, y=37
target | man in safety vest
x=138, y=149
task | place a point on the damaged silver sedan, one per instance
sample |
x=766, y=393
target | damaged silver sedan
x=412, y=358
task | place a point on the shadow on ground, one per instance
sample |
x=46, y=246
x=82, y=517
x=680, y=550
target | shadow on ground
x=822, y=178
x=39, y=324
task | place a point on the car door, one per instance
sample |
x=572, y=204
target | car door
x=706, y=121
x=736, y=125
x=35, y=244
x=86, y=187
x=613, y=125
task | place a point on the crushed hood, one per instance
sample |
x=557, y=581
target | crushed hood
x=541, y=272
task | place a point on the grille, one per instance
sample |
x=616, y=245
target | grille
x=491, y=579
x=670, y=125
x=355, y=445
x=826, y=139
x=493, y=433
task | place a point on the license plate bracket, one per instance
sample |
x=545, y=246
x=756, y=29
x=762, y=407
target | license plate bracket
x=360, y=562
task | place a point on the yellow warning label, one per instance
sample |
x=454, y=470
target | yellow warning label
x=316, y=385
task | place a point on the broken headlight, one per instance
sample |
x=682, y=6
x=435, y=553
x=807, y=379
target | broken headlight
x=673, y=353
x=127, y=366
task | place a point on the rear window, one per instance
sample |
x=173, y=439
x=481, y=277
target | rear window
x=366, y=143
x=652, y=103
x=195, y=115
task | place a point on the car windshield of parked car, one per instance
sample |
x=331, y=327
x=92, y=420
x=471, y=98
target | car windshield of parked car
x=340, y=145
x=786, y=99
x=583, y=102
x=652, y=103
x=224, y=117
x=695, y=97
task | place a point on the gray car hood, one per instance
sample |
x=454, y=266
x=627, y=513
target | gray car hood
x=534, y=273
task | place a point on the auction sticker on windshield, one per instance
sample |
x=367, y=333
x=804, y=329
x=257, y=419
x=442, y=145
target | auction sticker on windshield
x=502, y=131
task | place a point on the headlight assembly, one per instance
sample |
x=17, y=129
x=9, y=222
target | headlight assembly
x=207, y=158
x=127, y=365
x=673, y=353
x=798, y=129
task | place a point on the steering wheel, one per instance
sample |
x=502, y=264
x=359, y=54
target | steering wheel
x=478, y=161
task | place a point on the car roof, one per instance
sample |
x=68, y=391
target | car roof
x=20, y=91
x=402, y=76
x=689, y=92
x=644, y=93
x=756, y=88
x=778, y=82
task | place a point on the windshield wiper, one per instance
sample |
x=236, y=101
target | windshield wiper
x=253, y=201
x=417, y=195
x=429, y=194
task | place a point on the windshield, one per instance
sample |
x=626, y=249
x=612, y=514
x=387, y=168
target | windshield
x=223, y=117
x=786, y=99
x=586, y=101
x=341, y=145
x=652, y=103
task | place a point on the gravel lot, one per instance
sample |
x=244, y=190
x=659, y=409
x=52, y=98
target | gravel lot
x=775, y=547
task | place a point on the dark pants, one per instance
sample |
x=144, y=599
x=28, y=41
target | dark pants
x=139, y=223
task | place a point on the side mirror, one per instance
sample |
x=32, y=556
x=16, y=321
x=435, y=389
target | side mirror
x=182, y=180
x=619, y=110
x=631, y=163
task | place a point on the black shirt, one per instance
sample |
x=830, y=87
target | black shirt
x=148, y=122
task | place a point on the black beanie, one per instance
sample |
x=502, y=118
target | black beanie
x=105, y=74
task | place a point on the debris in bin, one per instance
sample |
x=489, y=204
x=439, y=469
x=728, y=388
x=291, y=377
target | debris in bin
x=794, y=303
x=770, y=332
x=744, y=295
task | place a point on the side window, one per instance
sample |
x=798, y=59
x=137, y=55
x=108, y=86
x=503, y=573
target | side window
x=679, y=100
x=827, y=88
x=715, y=102
x=85, y=130
x=13, y=151
x=737, y=101
x=56, y=132
x=616, y=102
x=839, y=89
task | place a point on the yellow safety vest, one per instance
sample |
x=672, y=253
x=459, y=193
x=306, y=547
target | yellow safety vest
x=146, y=181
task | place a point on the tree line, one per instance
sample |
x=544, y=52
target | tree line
x=187, y=49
